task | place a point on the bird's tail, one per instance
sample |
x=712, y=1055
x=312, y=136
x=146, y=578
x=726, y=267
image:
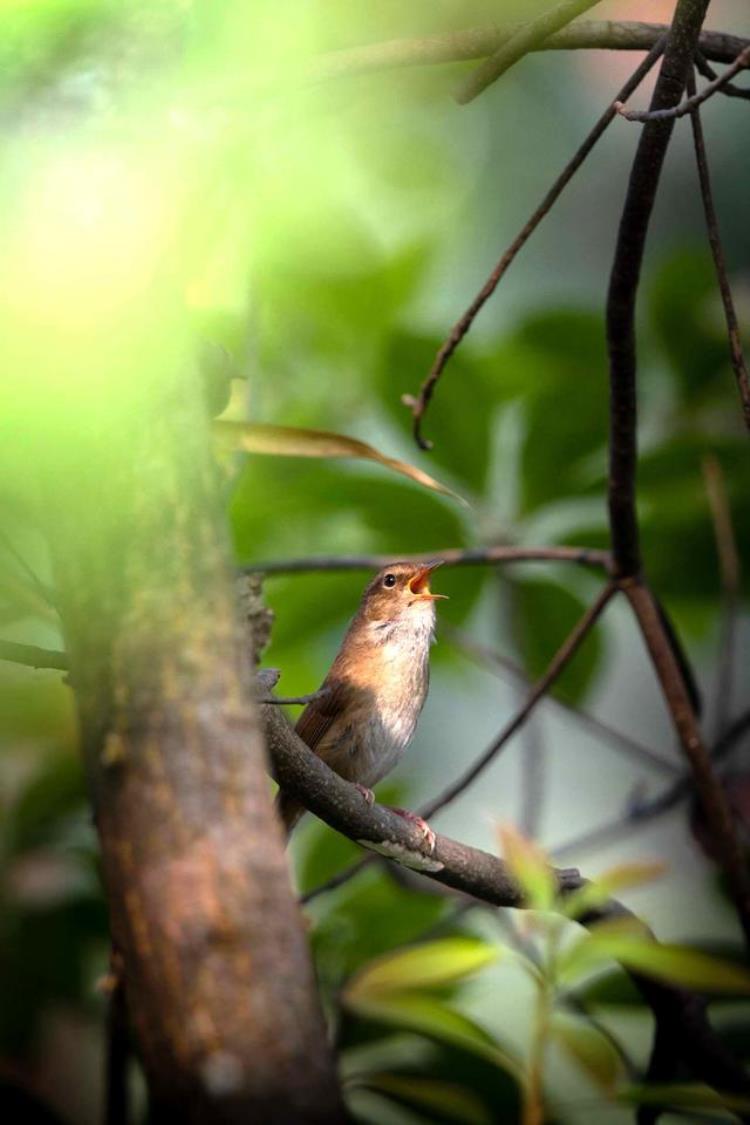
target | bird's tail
x=289, y=811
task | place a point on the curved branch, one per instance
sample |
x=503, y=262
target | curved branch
x=419, y=404
x=691, y=103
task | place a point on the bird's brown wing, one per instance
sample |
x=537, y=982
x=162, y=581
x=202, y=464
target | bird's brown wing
x=312, y=726
x=320, y=714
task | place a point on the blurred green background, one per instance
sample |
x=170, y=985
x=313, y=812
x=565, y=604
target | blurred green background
x=178, y=181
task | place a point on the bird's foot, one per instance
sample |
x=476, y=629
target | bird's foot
x=367, y=794
x=414, y=818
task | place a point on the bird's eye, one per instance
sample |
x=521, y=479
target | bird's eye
x=389, y=580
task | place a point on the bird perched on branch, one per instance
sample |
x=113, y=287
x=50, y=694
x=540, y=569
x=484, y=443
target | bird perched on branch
x=364, y=717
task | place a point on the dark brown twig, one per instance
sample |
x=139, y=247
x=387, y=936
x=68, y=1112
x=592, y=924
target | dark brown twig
x=420, y=403
x=691, y=103
x=451, y=556
x=518, y=45
x=708, y=787
x=729, y=90
x=626, y=268
x=717, y=252
x=559, y=662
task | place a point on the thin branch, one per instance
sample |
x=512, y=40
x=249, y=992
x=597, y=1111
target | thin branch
x=518, y=45
x=481, y=875
x=478, y=42
x=717, y=251
x=694, y=101
x=32, y=657
x=626, y=268
x=707, y=785
x=499, y=664
x=559, y=662
x=556, y=666
x=641, y=812
x=729, y=568
x=729, y=91
x=420, y=404
x=451, y=556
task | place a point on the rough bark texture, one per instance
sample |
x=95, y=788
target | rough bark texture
x=218, y=979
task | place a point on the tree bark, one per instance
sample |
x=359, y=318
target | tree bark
x=217, y=973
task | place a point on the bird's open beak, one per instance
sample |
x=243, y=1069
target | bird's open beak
x=420, y=583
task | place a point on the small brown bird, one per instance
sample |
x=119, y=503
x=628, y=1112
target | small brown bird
x=370, y=701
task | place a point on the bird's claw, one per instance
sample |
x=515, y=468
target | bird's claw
x=367, y=794
x=414, y=818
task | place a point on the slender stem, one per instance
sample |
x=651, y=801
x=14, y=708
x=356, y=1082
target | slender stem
x=708, y=787
x=717, y=251
x=691, y=104
x=499, y=664
x=518, y=45
x=451, y=556
x=420, y=403
x=557, y=665
x=730, y=91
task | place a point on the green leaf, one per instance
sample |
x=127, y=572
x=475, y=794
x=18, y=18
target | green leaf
x=589, y=1048
x=434, y=1019
x=672, y=963
x=422, y=966
x=545, y=612
x=293, y=441
x=611, y=882
x=530, y=867
x=447, y=1100
x=688, y=1095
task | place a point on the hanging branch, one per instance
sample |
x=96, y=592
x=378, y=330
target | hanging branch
x=694, y=101
x=729, y=569
x=625, y=275
x=420, y=403
x=717, y=251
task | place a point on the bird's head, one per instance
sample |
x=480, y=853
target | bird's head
x=400, y=594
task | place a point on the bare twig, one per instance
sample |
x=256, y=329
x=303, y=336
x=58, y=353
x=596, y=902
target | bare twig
x=640, y=812
x=518, y=45
x=559, y=662
x=694, y=101
x=451, y=556
x=420, y=403
x=32, y=657
x=729, y=90
x=484, y=877
x=709, y=789
x=729, y=568
x=717, y=251
x=478, y=42
x=497, y=663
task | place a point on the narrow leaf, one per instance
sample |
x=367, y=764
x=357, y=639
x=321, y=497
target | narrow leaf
x=434, y=1019
x=530, y=866
x=589, y=1048
x=292, y=441
x=609, y=883
x=672, y=963
x=688, y=1095
x=450, y=1101
x=423, y=966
